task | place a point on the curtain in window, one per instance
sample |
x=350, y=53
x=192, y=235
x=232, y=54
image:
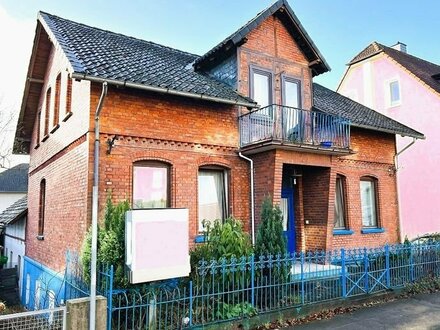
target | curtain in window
x=339, y=204
x=211, y=196
x=368, y=201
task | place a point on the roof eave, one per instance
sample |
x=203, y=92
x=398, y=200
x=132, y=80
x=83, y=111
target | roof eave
x=418, y=136
x=123, y=83
x=321, y=65
x=364, y=58
x=309, y=40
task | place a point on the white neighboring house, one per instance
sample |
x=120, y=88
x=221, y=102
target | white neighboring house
x=13, y=234
x=13, y=185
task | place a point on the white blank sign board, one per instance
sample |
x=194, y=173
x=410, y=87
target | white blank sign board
x=156, y=244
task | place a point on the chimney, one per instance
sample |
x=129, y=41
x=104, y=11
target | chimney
x=400, y=46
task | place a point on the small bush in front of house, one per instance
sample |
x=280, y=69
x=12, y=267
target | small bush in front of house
x=111, y=243
x=270, y=238
x=270, y=241
x=222, y=240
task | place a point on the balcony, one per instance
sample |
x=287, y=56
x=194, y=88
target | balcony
x=278, y=126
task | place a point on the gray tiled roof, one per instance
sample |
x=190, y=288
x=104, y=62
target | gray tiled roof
x=108, y=55
x=13, y=211
x=15, y=179
x=283, y=9
x=422, y=69
x=331, y=102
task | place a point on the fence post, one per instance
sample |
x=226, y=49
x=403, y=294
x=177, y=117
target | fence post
x=252, y=281
x=366, y=270
x=387, y=265
x=190, y=303
x=66, y=273
x=411, y=264
x=110, y=298
x=343, y=274
x=302, y=278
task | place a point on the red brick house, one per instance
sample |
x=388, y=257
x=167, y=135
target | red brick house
x=178, y=130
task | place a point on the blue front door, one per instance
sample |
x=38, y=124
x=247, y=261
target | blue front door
x=288, y=218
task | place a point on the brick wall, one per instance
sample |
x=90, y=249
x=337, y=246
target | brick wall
x=375, y=159
x=71, y=126
x=270, y=46
x=183, y=133
x=61, y=158
x=316, y=182
x=65, y=220
x=315, y=190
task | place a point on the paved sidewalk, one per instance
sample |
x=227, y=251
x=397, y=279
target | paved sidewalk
x=418, y=312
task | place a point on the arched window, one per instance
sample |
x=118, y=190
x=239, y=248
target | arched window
x=42, y=208
x=151, y=185
x=340, y=220
x=56, y=112
x=212, y=195
x=47, y=112
x=369, y=201
x=69, y=96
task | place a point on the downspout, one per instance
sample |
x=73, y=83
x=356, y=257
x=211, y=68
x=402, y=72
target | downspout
x=251, y=162
x=396, y=165
x=95, y=196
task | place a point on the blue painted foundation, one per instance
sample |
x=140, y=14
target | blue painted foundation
x=50, y=282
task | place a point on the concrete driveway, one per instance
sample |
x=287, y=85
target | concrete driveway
x=418, y=312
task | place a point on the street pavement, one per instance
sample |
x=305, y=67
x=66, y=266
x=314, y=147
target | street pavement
x=418, y=312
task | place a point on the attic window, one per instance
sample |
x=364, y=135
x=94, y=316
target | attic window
x=436, y=76
x=394, y=92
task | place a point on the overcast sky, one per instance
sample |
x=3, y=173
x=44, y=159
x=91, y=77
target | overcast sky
x=339, y=28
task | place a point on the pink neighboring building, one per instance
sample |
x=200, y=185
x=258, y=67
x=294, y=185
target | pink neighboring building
x=407, y=89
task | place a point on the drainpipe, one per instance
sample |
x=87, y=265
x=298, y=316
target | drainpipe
x=95, y=196
x=396, y=165
x=251, y=162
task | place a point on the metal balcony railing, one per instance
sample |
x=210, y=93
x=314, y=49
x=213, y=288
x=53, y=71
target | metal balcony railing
x=294, y=126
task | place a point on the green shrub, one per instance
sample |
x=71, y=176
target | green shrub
x=3, y=260
x=270, y=238
x=111, y=243
x=222, y=240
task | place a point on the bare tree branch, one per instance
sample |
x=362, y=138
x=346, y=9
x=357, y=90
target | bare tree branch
x=7, y=128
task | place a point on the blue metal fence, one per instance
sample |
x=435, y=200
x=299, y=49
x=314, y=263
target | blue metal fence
x=228, y=289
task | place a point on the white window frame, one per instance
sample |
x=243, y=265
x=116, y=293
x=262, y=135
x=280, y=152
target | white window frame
x=389, y=102
x=375, y=202
x=225, y=212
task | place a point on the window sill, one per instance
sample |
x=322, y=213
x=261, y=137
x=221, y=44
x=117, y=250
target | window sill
x=394, y=105
x=200, y=239
x=372, y=230
x=40, y=237
x=67, y=116
x=45, y=138
x=342, y=232
x=54, y=128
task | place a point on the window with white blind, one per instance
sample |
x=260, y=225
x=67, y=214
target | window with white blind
x=212, y=196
